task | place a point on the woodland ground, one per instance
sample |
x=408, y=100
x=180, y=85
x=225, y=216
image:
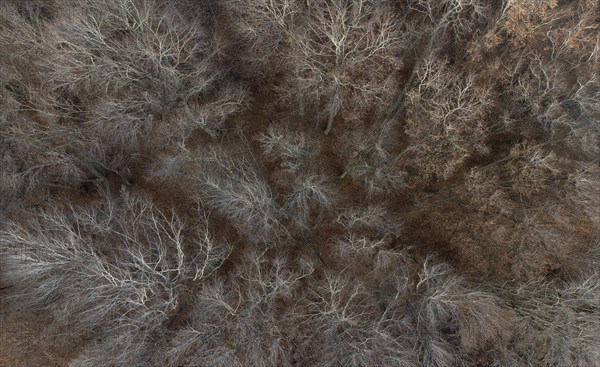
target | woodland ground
x=299, y=183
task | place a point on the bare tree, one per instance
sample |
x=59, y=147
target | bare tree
x=446, y=119
x=235, y=187
x=373, y=158
x=132, y=63
x=373, y=220
x=456, y=16
x=327, y=47
x=311, y=195
x=292, y=150
x=563, y=109
x=557, y=324
x=102, y=76
x=340, y=317
x=113, y=265
x=248, y=305
x=340, y=41
x=470, y=129
x=261, y=28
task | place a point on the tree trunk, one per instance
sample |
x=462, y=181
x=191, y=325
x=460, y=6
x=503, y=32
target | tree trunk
x=301, y=106
x=333, y=109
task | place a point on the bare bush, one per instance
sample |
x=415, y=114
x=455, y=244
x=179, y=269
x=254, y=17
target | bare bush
x=171, y=166
x=525, y=203
x=368, y=232
x=358, y=246
x=342, y=314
